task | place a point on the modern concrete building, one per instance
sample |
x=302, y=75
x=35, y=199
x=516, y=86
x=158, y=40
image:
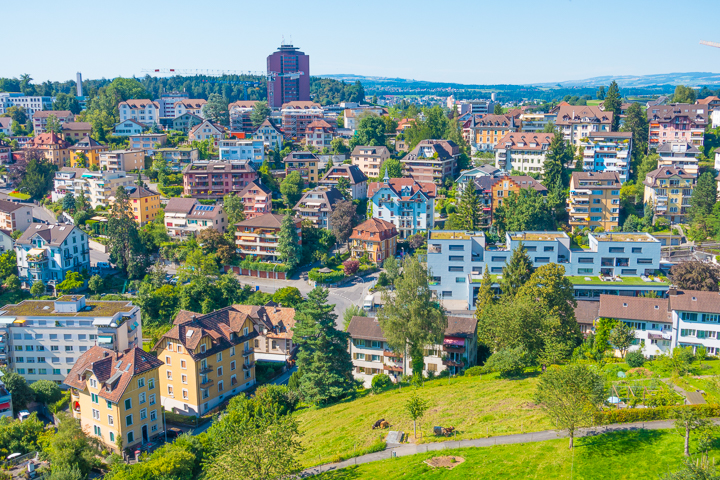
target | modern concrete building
x=594, y=201
x=31, y=104
x=149, y=142
x=241, y=149
x=98, y=187
x=186, y=216
x=288, y=71
x=39, y=119
x=307, y=164
x=297, y=115
x=607, y=152
x=122, y=160
x=215, y=179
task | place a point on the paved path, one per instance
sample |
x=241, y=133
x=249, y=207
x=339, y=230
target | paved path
x=412, y=449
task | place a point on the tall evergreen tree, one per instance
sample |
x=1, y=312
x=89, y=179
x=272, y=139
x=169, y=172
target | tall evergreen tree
x=125, y=247
x=613, y=103
x=323, y=355
x=289, y=248
x=469, y=214
x=704, y=196
x=636, y=122
x=517, y=271
x=485, y=296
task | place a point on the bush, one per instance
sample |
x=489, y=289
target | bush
x=509, y=362
x=635, y=359
x=380, y=382
x=474, y=371
x=351, y=266
x=332, y=277
x=627, y=415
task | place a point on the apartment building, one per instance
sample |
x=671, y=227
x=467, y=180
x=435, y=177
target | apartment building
x=258, y=236
x=534, y=122
x=712, y=103
x=241, y=149
x=215, y=179
x=677, y=122
x=31, y=104
x=207, y=359
x=76, y=131
x=179, y=157
x=15, y=216
x=467, y=176
x=369, y=159
x=6, y=241
x=240, y=112
x=503, y=187
x=149, y=142
x=288, y=76
x=371, y=354
x=6, y=126
x=46, y=337
x=86, y=153
x=613, y=263
x=115, y=396
x=144, y=204
x=55, y=149
x=193, y=106
x=594, y=201
x=122, y=160
x=319, y=134
x=404, y=202
x=680, y=155
x=270, y=135
x=128, y=127
x=6, y=406
x=354, y=113
x=5, y=150
x=274, y=342
x=578, y=122
x=483, y=132
x=297, y=115
x=317, y=205
x=48, y=252
x=523, y=152
x=145, y=112
x=98, y=187
x=257, y=199
x=207, y=130
x=607, y=152
x=375, y=238
x=651, y=319
x=305, y=163
x=39, y=119
x=669, y=189
x=355, y=177
x=432, y=161
x=186, y=216
x=182, y=123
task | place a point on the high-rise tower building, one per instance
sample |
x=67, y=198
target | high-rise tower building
x=288, y=76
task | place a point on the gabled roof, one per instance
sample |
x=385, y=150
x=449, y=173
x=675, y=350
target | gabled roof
x=205, y=211
x=523, y=181
x=635, y=308
x=180, y=205
x=140, y=192
x=366, y=328
x=600, y=176
x=267, y=220
x=53, y=234
x=396, y=186
x=331, y=196
x=55, y=113
x=667, y=113
x=7, y=206
x=319, y=124
x=193, y=102
x=491, y=120
x=243, y=104
x=352, y=172
x=278, y=320
x=586, y=312
x=269, y=123
x=88, y=142
x=301, y=105
x=461, y=326
x=254, y=185
x=535, y=141
x=570, y=114
x=205, y=122
x=5, y=122
x=76, y=126
x=132, y=120
x=139, y=103
x=695, y=301
x=49, y=138
x=374, y=229
x=666, y=172
x=376, y=151
x=707, y=100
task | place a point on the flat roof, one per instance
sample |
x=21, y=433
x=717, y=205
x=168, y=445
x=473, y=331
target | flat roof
x=624, y=237
x=537, y=236
x=595, y=280
x=46, y=308
x=453, y=235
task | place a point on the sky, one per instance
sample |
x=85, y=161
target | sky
x=463, y=41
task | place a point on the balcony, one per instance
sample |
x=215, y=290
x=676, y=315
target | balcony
x=248, y=352
x=454, y=348
x=248, y=366
x=391, y=354
x=207, y=383
x=392, y=368
x=452, y=363
x=206, y=369
x=579, y=220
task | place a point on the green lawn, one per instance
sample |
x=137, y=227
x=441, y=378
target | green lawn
x=19, y=196
x=475, y=406
x=620, y=455
x=594, y=280
x=594, y=102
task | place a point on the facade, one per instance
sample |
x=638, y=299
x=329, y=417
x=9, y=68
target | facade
x=39, y=119
x=305, y=163
x=76, y=131
x=86, y=153
x=122, y=160
x=257, y=237
x=297, y=115
x=240, y=149
x=524, y=152
x=193, y=106
x=369, y=159
x=46, y=337
x=31, y=104
x=375, y=238
x=182, y=219
x=669, y=189
x=149, y=142
x=145, y=112
x=183, y=123
x=274, y=342
x=257, y=199
x=577, y=122
x=319, y=134
x=240, y=115
x=208, y=359
x=712, y=102
x=48, y=252
x=15, y=216
x=55, y=149
x=317, y=205
x=6, y=245
x=467, y=176
x=533, y=122
x=680, y=155
x=404, y=202
x=145, y=204
x=354, y=176
x=6, y=126
x=207, y=130
x=215, y=179
x=607, y=152
x=5, y=151
x=483, y=132
x=502, y=187
x=98, y=187
x=115, y=396
x=270, y=135
x=715, y=118
x=179, y=157
x=353, y=114
x=432, y=161
x=288, y=72
x=677, y=122
x=649, y=317
x=128, y=127
x=6, y=406
x=594, y=201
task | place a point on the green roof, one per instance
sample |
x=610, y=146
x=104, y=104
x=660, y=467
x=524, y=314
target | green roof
x=595, y=280
x=46, y=308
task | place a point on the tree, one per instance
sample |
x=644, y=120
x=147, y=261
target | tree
x=64, y=101
x=234, y=209
x=486, y=295
x=124, y=245
x=342, y=220
x=289, y=248
x=73, y=281
x=632, y=224
x=509, y=362
x=8, y=264
x=38, y=176
x=46, y=391
x=558, y=157
x=470, y=211
x=288, y=297
x=526, y=210
x=689, y=420
x=613, y=103
x=53, y=125
x=498, y=110
x=21, y=393
x=411, y=319
x=259, y=114
x=337, y=145
x=71, y=447
x=352, y=311
x=12, y=283
x=370, y=132
x=350, y=267
x=38, y=288
x=68, y=203
x=622, y=337
x=216, y=109
x=636, y=122
x=291, y=188
x=570, y=396
x=696, y=276
x=600, y=93
x=416, y=408
x=96, y=284
x=392, y=269
x=517, y=271
x=322, y=351
x=393, y=167
x=684, y=94
x=343, y=186
x=704, y=196
x=695, y=470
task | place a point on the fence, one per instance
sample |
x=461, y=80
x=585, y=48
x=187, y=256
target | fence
x=20, y=459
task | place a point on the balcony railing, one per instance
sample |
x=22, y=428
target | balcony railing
x=248, y=352
x=207, y=383
x=392, y=368
x=452, y=363
x=248, y=366
x=206, y=369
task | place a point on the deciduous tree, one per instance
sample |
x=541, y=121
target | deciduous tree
x=622, y=337
x=291, y=188
x=125, y=248
x=696, y=276
x=216, y=109
x=416, y=408
x=342, y=220
x=393, y=167
x=684, y=94
x=689, y=420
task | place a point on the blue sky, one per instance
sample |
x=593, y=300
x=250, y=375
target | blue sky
x=511, y=41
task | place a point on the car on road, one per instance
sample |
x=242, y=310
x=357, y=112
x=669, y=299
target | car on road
x=173, y=433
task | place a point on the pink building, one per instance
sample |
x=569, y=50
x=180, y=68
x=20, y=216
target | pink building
x=257, y=199
x=677, y=122
x=319, y=134
x=215, y=179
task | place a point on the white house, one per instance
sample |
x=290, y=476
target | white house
x=143, y=111
x=128, y=128
x=205, y=131
x=522, y=151
x=270, y=135
x=405, y=203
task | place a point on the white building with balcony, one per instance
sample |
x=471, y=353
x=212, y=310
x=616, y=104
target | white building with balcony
x=241, y=149
x=98, y=187
x=257, y=237
x=607, y=152
x=407, y=204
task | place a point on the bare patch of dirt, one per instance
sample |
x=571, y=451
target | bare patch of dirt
x=449, y=462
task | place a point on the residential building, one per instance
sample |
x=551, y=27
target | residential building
x=483, y=132
x=208, y=359
x=240, y=115
x=241, y=149
x=215, y=179
x=369, y=159
x=503, y=187
x=122, y=160
x=612, y=263
x=696, y=319
x=274, y=342
x=207, y=130
x=39, y=118
x=48, y=252
x=375, y=238
x=297, y=115
x=5, y=150
x=712, y=103
x=577, y=122
x=98, y=187
x=319, y=134
x=182, y=123
x=305, y=163
x=6, y=245
x=371, y=354
x=586, y=313
x=607, y=152
x=669, y=189
x=257, y=237
x=317, y=205
x=76, y=131
x=115, y=396
x=353, y=114
x=31, y=104
x=484, y=190
x=128, y=127
x=679, y=154
x=179, y=157
x=46, y=337
x=6, y=126
x=594, y=201
x=144, y=204
x=146, y=112
x=715, y=118
x=533, y=122
x=149, y=142
x=256, y=198
x=6, y=406
x=355, y=177
x=651, y=319
x=474, y=173
x=288, y=72
x=15, y=216
x=432, y=161
x=86, y=153
x=55, y=149
x=270, y=135
x=193, y=106
x=186, y=216
x=404, y=202
x=523, y=152
x=677, y=122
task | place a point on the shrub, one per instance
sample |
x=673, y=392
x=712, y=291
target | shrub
x=474, y=371
x=626, y=415
x=635, y=359
x=350, y=267
x=509, y=362
x=379, y=382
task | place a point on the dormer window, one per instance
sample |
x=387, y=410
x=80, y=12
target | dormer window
x=246, y=331
x=202, y=348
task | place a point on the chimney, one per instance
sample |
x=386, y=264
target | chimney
x=672, y=290
x=79, y=85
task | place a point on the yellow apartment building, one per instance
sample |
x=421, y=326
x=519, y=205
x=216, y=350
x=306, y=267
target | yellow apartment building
x=116, y=396
x=594, y=200
x=90, y=149
x=145, y=204
x=669, y=189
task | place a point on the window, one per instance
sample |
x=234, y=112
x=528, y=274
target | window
x=584, y=271
x=628, y=271
x=455, y=269
x=143, y=414
x=111, y=420
x=183, y=364
x=109, y=403
x=220, y=371
x=151, y=383
x=179, y=348
x=636, y=249
x=232, y=365
x=616, y=249
x=142, y=398
x=168, y=360
x=689, y=317
x=218, y=357
x=131, y=437
x=128, y=420
x=247, y=374
x=141, y=382
x=549, y=249
x=94, y=398
x=153, y=415
x=202, y=348
x=152, y=399
x=232, y=350
x=685, y=332
x=447, y=294
x=221, y=387
x=96, y=414
x=644, y=260
x=542, y=259
x=459, y=279
x=169, y=375
x=456, y=248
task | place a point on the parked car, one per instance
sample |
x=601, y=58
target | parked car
x=173, y=433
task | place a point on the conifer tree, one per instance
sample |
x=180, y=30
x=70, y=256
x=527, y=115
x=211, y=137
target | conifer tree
x=613, y=103
x=485, y=296
x=517, y=271
x=469, y=214
x=289, y=248
x=704, y=196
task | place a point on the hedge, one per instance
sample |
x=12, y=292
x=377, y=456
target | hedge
x=332, y=277
x=629, y=415
x=172, y=191
x=263, y=266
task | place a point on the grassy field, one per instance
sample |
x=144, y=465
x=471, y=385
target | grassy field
x=620, y=455
x=475, y=406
